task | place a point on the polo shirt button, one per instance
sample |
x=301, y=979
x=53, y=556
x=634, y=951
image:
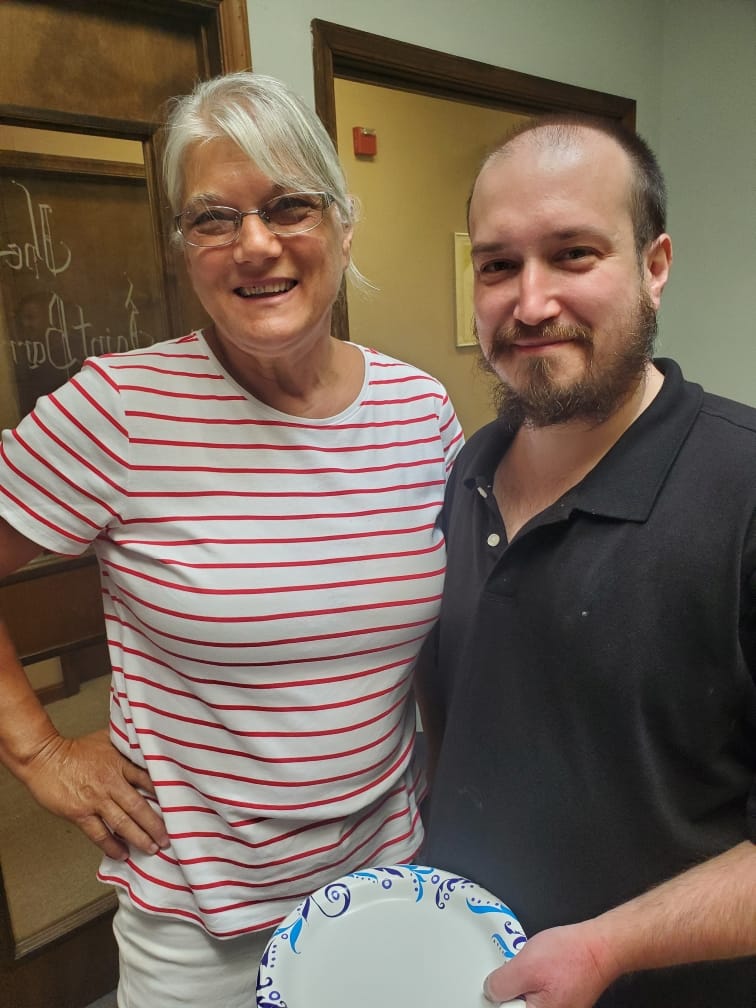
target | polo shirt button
x=482, y=492
x=493, y=539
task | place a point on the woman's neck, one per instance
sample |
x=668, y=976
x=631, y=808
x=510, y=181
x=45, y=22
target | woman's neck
x=319, y=384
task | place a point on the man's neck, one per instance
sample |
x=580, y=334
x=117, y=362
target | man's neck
x=543, y=463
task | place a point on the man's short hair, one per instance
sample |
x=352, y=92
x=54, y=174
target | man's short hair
x=648, y=198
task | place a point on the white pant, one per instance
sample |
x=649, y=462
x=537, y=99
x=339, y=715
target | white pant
x=168, y=963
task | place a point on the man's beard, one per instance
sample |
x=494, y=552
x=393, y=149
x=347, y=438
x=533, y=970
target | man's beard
x=604, y=387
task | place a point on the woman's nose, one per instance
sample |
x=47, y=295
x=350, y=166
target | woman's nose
x=255, y=240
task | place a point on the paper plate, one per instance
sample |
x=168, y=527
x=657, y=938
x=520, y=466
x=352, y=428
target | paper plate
x=404, y=935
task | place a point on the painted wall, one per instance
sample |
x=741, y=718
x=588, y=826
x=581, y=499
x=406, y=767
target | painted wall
x=412, y=197
x=688, y=64
x=39, y=141
x=708, y=149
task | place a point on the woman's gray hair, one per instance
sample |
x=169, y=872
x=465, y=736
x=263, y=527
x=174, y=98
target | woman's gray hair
x=269, y=123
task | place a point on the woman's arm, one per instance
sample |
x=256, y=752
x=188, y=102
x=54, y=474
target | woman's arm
x=85, y=780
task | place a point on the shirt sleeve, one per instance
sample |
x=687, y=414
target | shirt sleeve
x=451, y=432
x=63, y=470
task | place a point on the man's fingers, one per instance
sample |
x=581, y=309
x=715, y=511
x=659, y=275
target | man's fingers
x=498, y=986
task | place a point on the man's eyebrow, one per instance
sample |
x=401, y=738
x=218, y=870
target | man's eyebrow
x=570, y=234
x=504, y=247
x=487, y=248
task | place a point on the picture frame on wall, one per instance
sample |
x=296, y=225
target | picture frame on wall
x=463, y=281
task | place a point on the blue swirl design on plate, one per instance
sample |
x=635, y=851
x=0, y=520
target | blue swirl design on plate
x=268, y=998
x=334, y=900
x=515, y=937
x=386, y=877
x=336, y=893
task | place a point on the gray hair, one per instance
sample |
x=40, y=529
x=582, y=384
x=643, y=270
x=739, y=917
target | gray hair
x=271, y=125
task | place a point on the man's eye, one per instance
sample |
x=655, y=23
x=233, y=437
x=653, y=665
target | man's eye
x=576, y=254
x=496, y=266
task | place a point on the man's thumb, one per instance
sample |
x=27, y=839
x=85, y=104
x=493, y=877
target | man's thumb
x=501, y=985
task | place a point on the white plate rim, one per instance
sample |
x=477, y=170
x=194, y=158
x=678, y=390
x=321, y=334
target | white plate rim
x=335, y=899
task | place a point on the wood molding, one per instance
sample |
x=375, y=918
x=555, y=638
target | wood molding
x=69, y=167
x=89, y=914
x=234, y=35
x=372, y=59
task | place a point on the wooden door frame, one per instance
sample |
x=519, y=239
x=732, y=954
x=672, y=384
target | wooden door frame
x=225, y=46
x=372, y=59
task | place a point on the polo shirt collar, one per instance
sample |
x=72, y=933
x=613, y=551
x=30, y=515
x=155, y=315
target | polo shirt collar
x=627, y=480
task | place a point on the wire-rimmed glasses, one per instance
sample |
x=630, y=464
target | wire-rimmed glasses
x=204, y=225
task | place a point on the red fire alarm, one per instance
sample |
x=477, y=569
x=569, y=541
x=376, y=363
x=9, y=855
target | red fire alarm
x=365, y=141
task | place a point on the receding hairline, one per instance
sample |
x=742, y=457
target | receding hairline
x=552, y=137
x=559, y=136
x=647, y=192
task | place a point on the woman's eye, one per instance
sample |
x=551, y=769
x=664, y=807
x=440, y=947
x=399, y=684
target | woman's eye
x=292, y=203
x=295, y=207
x=210, y=216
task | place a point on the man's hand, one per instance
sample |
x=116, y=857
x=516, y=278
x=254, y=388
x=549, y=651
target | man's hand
x=703, y=914
x=89, y=782
x=559, y=968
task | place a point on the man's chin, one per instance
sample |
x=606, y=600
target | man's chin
x=545, y=404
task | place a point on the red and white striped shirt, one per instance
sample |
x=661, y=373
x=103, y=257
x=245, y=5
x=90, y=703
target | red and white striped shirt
x=267, y=583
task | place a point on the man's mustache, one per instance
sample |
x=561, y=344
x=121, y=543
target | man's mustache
x=550, y=332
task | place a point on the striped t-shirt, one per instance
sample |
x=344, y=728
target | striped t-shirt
x=267, y=583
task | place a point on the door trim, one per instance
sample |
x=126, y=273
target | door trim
x=372, y=59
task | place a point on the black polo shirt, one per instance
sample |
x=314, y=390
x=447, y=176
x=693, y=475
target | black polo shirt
x=598, y=677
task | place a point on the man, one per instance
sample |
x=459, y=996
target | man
x=596, y=651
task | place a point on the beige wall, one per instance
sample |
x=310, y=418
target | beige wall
x=413, y=196
x=39, y=141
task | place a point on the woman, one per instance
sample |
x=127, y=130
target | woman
x=262, y=501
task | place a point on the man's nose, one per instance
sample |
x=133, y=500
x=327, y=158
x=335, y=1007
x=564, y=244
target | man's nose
x=536, y=295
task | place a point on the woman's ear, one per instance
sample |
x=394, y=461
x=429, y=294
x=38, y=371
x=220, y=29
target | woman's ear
x=348, y=225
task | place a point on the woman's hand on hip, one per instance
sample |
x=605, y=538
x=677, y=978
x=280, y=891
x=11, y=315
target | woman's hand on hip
x=89, y=782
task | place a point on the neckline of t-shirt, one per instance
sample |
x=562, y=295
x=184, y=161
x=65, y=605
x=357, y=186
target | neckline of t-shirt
x=275, y=414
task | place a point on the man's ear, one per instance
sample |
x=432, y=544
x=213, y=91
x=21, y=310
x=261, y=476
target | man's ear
x=657, y=260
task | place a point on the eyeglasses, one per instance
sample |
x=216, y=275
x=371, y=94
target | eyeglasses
x=291, y=214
